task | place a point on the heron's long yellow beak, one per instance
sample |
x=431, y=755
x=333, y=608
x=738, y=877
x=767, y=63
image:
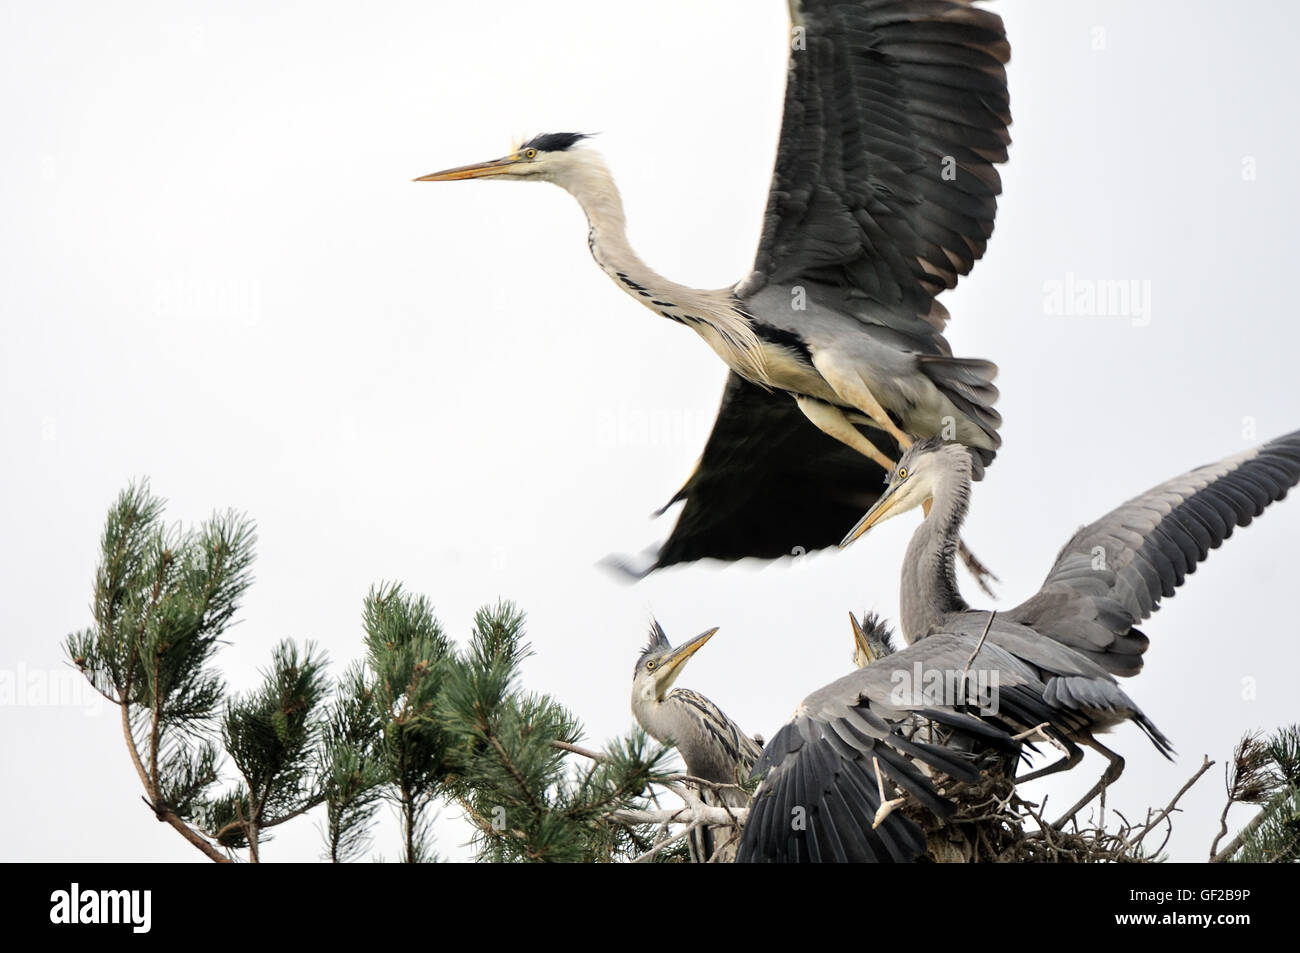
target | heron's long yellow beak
x=671, y=664
x=478, y=170
x=883, y=505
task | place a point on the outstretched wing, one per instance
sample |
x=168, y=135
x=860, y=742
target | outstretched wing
x=818, y=805
x=769, y=484
x=886, y=185
x=820, y=791
x=1112, y=574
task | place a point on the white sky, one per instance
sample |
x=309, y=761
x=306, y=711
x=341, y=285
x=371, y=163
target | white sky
x=216, y=272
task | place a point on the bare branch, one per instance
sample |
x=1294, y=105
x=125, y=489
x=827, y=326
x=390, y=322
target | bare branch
x=574, y=749
x=703, y=813
x=1206, y=764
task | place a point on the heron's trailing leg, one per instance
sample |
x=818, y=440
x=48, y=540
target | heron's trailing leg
x=1073, y=755
x=1113, y=770
x=848, y=383
x=835, y=423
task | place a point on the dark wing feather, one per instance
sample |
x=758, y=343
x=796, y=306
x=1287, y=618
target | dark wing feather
x=769, y=484
x=1112, y=574
x=819, y=794
x=882, y=98
x=817, y=806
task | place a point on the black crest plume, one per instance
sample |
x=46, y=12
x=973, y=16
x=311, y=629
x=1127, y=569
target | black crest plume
x=554, y=141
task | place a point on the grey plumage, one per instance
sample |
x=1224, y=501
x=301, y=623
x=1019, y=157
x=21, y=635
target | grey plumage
x=902, y=714
x=873, y=639
x=1112, y=573
x=824, y=762
x=880, y=95
x=863, y=225
x=884, y=193
x=819, y=795
x=1078, y=631
x=712, y=746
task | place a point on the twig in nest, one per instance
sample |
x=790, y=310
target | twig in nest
x=886, y=806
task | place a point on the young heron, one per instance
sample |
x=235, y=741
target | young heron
x=883, y=195
x=872, y=639
x=712, y=746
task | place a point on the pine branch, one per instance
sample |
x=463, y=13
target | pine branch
x=161, y=810
x=1262, y=771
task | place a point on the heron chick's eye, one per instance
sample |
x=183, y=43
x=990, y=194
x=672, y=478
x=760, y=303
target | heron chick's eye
x=902, y=473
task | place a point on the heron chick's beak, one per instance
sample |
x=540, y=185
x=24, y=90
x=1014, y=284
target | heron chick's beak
x=478, y=170
x=671, y=664
x=860, y=640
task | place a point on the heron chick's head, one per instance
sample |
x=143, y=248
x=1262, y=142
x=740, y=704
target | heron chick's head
x=926, y=467
x=872, y=639
x=549, y=157
x=660, y=664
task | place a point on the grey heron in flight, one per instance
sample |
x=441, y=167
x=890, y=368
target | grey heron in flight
x=1080, y=629
x=883, y=195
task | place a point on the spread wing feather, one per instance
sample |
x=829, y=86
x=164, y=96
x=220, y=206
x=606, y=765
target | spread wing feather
x=886, y=181
x=1112, y=574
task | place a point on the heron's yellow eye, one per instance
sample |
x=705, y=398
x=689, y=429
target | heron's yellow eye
x=530, y=153
x=902, y=473
x=649, y=666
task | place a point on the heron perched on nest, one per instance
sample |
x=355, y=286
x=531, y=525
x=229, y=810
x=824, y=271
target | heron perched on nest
x=1079, y=630
x=832, y=777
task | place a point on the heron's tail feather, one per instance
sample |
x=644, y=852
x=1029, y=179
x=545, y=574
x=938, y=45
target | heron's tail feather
x=968, y=383
x=1090, y=696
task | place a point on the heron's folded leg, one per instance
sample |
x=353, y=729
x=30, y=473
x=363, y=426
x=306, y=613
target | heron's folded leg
x=1113, y=770
x=849, y=384
x=834, y=422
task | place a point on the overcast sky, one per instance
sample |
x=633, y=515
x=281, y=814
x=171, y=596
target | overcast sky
x=217, y=273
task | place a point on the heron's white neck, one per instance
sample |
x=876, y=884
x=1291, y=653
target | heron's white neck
x=713, y=314
x=587, y=179
x=929, y=590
